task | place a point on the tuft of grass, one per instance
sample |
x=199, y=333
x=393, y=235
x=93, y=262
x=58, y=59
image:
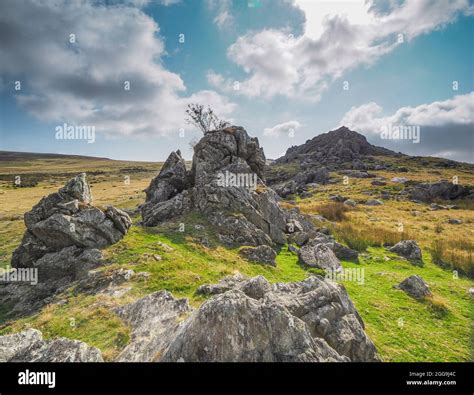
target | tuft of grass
x=454, y=255
x=360, y=237
x=333, y=211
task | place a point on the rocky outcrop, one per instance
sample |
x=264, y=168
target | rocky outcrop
x=61, y=244
x=154, y=319
x=226, y=183
x=250, y=320
x=312, y=320
x=415, y=286
x=408, y=249
x=29, y=346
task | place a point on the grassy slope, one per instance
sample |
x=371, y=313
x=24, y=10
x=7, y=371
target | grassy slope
x=436, y=330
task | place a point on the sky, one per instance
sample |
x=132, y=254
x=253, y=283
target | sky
x=285, y=70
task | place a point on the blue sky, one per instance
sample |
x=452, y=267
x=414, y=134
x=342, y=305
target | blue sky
x=291, y=59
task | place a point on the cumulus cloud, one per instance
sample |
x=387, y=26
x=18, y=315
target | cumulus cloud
x=334, y=42
x=446, y=127
x=282, y=129
x=84, y=81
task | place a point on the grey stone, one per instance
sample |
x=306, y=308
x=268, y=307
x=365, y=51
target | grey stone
x=261, y=254
x=415, y=286
x=408, y=249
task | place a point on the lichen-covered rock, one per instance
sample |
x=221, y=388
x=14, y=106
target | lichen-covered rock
x=154, y=319
x=250, y=320
x=225, y=183
x=261, y=254
x=408, y=249
x=171, y=180
x=415, y=286
x=29, y=346
x=64, y=232
x=319, y=255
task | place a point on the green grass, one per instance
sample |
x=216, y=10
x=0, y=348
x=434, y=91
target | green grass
x=437, y=329
x=433, y=330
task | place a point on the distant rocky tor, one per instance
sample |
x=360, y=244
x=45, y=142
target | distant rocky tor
x=350, y=154
x=62, y=241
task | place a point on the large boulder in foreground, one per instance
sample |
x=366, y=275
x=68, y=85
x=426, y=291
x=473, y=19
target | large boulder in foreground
x=225, y=183
x=250, y=320
x=29, y=346
x=61, y=244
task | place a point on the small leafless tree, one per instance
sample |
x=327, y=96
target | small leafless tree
x=205, y=120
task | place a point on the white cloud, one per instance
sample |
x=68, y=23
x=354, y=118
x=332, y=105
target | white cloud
x=445, y=128
x=456, y=111
x=83, y=82
x=339, y=36
x=282, y=129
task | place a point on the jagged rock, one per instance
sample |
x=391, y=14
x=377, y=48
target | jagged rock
x=374, y=202
x=154, y=319
x=378, y=183
x=445, y=190
x=61, y=241
x=312, y=320
x=293, y=226
x=261, y=254
x=299, y=238
x=415, y=286
x=319, y=255
x=454, y=221
x=226, y=284
x=225, y=183
x=29, y=346
x=171, y=180
x=408, y=249
x=153, y=214
x=10, y=345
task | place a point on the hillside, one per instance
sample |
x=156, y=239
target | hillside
x=186, y=236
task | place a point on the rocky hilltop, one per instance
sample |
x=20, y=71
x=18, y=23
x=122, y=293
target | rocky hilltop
x=333, y=148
